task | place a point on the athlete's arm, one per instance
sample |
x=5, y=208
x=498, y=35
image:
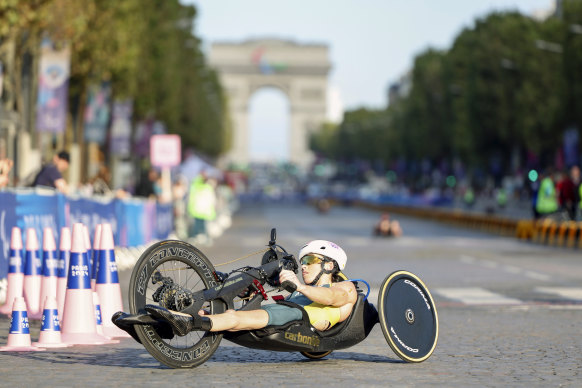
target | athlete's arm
x=339, y=294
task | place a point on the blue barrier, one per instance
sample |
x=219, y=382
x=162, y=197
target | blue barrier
x=133, y=221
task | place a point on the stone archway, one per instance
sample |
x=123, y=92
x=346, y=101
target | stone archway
x=298, y=70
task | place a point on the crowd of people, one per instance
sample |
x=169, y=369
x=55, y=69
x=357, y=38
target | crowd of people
x=558, y=195
x=197, y=203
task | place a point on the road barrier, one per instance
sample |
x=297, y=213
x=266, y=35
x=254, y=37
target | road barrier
x=134, y=221
x=546, y=231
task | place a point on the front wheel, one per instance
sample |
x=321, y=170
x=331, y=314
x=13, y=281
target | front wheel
x=408, y=316
x=166, y=274
x=316, y=355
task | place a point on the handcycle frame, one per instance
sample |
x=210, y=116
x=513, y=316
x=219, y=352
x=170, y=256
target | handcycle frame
x=222, y=290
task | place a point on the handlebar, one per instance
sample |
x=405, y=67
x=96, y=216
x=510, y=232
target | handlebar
x=289, y=286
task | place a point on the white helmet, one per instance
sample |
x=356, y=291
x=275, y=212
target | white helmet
x=325, y=248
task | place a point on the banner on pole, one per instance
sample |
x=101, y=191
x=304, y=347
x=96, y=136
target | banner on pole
x=121, y=128
x=52, y=88
x=97, y=112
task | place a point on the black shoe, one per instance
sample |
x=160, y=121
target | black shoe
x=181, y=324
x=126, y=322
x=117, y=319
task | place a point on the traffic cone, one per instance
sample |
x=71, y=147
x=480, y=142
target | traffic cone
x=19, y=334
x=78, y=325
x=48, y=285
x=107, y=285
x=89, y=250
x=96, y=248
x=99, y=321
x=63, y=268
x=50, y=330
x=15, y=277
x=32, y=275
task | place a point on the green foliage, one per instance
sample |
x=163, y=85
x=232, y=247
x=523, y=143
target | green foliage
x=145, y=48
x=496, y=92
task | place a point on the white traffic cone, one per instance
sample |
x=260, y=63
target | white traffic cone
x=63, y=268
x=50, y=330
x=19, y=335
x=32, y=275
x=48, y=285
x=15, y=277
x=95, y=260
x=99, y=321
x=89, y=250
x=78, y=325
x=107, y=285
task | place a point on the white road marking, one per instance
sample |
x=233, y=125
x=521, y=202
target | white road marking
x=573, y=293
x=511, y=269
x=468, y=259
x=476, y=296
x=490, y=264
x=537, y=276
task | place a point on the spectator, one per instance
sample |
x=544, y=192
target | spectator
x=386, y=227
x=148, y=184
x=100, y=182
x=547, y=199
x=51, y=175
x=201, y=204
x=5, y=167
x=575, y=176
x=567, y=195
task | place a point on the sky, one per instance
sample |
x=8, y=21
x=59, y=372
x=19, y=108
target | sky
x=372, y=43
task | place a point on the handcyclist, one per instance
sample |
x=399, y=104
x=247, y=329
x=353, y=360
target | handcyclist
x=324, y=296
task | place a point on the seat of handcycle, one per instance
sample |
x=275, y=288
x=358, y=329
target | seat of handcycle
x=361, y=309
x=300, y=335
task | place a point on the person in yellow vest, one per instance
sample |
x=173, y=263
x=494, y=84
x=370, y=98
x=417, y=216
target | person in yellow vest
x=201, y=204
x=547, y=200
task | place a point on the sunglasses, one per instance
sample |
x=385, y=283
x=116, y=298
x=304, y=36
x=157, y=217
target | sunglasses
x=311, y=259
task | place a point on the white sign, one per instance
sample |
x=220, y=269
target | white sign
x=165, y=150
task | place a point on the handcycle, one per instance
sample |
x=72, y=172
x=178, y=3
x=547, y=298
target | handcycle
x=178, y=276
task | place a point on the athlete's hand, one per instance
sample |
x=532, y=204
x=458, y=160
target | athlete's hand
x=286, y=275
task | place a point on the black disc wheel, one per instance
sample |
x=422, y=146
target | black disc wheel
x=316, y=355
x=166, y=274
x=408, y=316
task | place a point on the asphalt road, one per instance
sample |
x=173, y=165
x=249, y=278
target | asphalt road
x=509, y=313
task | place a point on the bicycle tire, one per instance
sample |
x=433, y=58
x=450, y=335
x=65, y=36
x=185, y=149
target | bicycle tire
x=190, y=269
x=408, y=316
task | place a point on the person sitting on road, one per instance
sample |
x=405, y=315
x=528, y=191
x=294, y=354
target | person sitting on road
x=385, y=227
x=51, y=174
x=326, y=298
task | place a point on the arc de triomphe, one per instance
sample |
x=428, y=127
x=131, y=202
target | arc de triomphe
x=298, y=70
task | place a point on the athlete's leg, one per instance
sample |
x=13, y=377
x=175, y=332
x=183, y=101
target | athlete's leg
x=239, y=320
